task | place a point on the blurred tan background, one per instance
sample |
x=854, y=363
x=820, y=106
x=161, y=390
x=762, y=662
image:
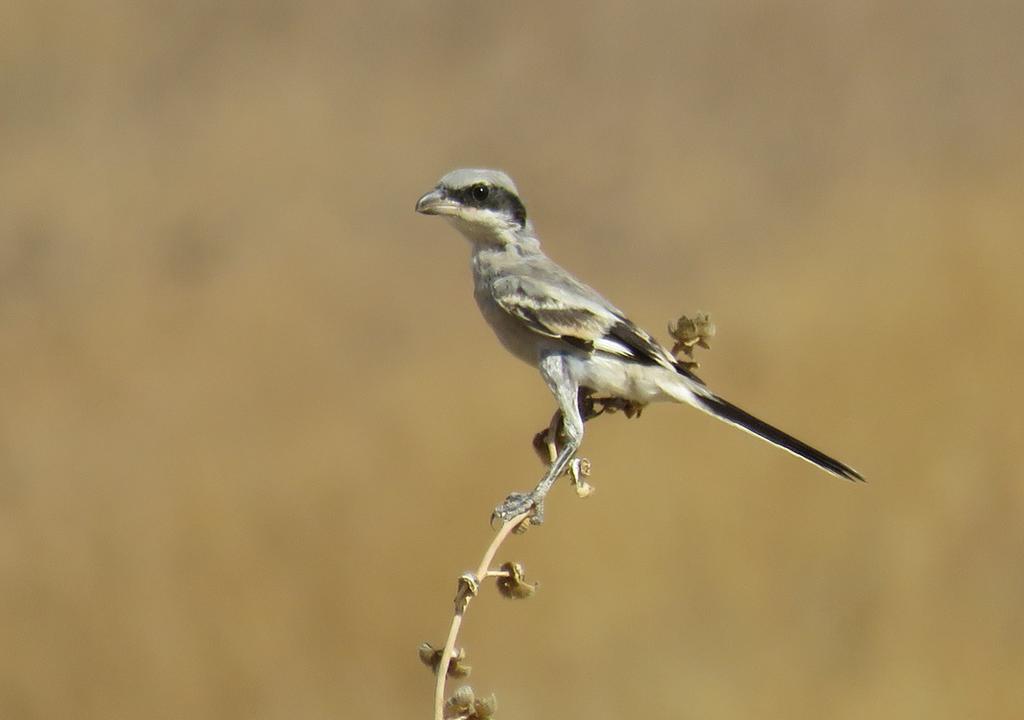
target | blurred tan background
x=251, y=425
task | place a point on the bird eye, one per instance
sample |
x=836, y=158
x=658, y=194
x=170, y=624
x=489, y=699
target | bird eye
x=480, y=192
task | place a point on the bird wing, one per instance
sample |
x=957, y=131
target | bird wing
x=566, y=309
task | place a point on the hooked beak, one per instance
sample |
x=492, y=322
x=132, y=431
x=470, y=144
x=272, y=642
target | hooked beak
x=436, y=202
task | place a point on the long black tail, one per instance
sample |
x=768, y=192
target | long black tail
x=733, y=415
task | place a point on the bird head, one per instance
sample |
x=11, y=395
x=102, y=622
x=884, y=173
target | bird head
x=483, y=205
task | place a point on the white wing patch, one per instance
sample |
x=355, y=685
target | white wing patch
x=614, y=347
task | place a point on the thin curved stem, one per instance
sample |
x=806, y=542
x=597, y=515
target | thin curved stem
x=461, y=605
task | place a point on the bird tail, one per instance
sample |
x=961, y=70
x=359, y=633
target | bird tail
x=704, y=399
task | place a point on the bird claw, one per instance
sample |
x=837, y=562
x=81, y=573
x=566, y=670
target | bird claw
x=517, y=504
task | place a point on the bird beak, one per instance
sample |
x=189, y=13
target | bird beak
x=436, y=202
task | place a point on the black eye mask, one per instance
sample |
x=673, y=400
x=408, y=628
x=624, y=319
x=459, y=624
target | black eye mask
x=489, y=197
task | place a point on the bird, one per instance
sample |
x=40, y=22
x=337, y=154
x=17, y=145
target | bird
x=578, y=340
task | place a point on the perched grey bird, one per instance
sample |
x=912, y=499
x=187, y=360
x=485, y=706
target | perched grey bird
x=576, y=338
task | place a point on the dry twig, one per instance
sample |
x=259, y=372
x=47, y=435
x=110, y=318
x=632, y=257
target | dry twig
x=469, y=586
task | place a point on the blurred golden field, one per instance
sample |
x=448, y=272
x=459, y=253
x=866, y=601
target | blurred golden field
x=252, y=426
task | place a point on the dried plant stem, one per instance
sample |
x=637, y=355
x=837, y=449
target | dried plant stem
x=462, y=604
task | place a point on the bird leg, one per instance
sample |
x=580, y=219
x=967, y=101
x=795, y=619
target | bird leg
x=566, y=425
x=548, y=441
x=518, y=503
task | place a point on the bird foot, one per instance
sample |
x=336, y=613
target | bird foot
x=518, y=503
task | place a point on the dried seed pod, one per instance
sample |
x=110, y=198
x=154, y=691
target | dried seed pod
x=484, y=708
x=460, y=704
x=512, y=585
x=430, y=656
x=691, y=332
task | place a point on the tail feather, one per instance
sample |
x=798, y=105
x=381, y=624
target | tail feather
x=724, y=410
